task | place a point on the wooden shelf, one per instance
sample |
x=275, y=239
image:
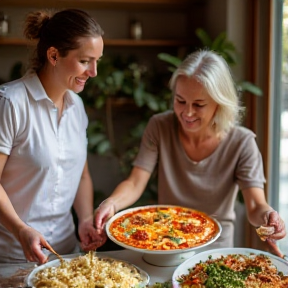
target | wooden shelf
x=103, y=4
x=146, y=42
x=6, y=41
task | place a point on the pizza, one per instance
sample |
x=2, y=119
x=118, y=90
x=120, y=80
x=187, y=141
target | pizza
x=234, y=270
x=163, y=228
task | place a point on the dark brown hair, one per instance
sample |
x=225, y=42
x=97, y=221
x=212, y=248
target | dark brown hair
x=60, y=30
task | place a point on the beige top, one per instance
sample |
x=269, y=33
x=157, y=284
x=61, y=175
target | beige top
x=210, y=185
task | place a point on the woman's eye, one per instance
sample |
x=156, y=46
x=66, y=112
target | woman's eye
x=84, y=61
x=198, y=105
x=181, y=101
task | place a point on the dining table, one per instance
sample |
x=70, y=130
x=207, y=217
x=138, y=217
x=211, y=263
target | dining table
x=14, y=275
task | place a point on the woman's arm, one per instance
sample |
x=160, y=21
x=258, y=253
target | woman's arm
x=125, y=194
x=31, y=240
x=261, y=214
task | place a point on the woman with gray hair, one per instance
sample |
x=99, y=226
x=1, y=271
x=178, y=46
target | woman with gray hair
x=203, y=157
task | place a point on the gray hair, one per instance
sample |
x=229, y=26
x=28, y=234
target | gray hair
x=212, y=71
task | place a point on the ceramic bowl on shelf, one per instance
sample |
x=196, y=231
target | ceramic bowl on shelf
x=183, y=268
x=169, y=256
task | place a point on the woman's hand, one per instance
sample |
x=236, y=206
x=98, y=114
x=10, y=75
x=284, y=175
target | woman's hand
x=89, y=237
x=32, y=243
x=272, y=230
x=105, y=211
x=272, y=219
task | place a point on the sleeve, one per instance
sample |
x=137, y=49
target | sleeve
x=249, y=171
x=7, y=125
x=147, y=156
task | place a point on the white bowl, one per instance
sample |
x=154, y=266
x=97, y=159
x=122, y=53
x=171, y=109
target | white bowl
x=183, y=268
x=171, y=257
x=55, y=263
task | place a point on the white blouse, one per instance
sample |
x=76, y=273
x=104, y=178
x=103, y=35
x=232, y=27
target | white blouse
x=45, y=163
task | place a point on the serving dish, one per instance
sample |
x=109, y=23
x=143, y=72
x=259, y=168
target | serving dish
x=29, y=281
x=170, y=257
x=184, y=267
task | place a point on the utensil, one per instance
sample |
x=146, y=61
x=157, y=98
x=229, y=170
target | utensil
x=48, y=247
x=274, y=249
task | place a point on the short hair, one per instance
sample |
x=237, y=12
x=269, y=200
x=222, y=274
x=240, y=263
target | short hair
x=212, y=71
x=61, y=30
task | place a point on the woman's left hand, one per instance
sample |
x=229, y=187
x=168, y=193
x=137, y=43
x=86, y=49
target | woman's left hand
x=89, y=237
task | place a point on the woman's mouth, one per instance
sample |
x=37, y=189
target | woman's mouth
x=80, y=81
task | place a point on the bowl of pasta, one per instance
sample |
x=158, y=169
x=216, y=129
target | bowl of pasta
x=232, y=267
x=166, y=235
x=88, y=271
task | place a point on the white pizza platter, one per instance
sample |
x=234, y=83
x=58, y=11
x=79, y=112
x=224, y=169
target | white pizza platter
x=29, y=281
x=183, y=268
x=171, y=257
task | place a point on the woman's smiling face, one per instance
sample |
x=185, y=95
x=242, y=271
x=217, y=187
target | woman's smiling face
x=193, y=105
x=75, y=69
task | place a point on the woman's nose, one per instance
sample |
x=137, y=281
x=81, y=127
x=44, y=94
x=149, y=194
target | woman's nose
x=92, y=70
x=189, y=110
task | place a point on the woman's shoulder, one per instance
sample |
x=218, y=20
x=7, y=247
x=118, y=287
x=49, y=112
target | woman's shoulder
x=164, y=117
x=13, y=89
x=240, y=134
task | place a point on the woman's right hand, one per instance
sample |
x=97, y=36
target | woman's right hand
x=105, y=211
x=32, y=243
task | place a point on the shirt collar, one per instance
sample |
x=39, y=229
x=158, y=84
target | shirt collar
x=37, y=91
x=34, y=86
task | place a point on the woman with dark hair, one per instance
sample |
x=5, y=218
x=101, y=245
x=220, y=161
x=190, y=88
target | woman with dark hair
x=43, y=143
x=203, y=157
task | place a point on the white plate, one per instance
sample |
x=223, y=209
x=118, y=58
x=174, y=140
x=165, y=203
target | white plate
x=281, y=264
x=162, y=252
x=55, y=263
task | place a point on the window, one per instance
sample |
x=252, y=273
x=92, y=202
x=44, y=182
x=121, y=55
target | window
x=282, y=107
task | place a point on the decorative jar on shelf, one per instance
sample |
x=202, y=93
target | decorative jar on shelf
x=4, y=24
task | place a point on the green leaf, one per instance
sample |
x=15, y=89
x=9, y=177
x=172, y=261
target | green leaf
x=219, y=42
x=248, y=86
x=95, y=139
x=103, y=147
x=204, y=37
x=175, y=61
x=151, y=102
x=118, y=77
x=139, y=95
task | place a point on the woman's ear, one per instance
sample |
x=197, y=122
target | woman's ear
x=52, y=55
